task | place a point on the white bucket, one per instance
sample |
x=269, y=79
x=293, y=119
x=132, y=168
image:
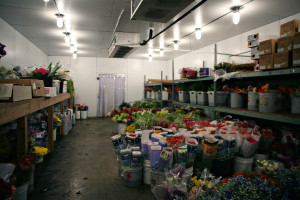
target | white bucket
x=83, y=114
x=165, y=95
x=65, y=87
x=132, y=177
x=21, y=192
x=260, y=157
x=241, y=163
x=236, y=100
x=267, y=101
x=77, y=114
x=121, y=128
x=221, y=99
x=193, y=97
x=147, y=172
x=295, y=107
x=202, y=98
x=56, y=83
x=152, y=95
x=39, y=159
x=184, y=97
x=157, y=95
x=54, y=134
x=252, y=101
x=148, y=95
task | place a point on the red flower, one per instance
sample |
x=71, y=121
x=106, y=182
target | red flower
x=42, y=71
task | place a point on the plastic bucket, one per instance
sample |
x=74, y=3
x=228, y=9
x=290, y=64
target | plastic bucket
x=56, y=83
x=295, y=108
x=184, y=97
x=165, y=96
x=54, y=134
x=260, y=157
x=252, y=101
x=21, y=192
x=267, y=101
x=77, y=114
x=221, y=99
x=202, y=98
x=147, y=172
x=236, y=100
x=157, y=95
x=241, y=163
x=83, y=114
x=39, y=159
x=132, y=177
x=193, y=97
x=121, y=128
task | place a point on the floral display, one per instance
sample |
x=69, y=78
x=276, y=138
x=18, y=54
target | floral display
x=268, y=167
x=40, y=151
x=294, y=92
x=6, y=189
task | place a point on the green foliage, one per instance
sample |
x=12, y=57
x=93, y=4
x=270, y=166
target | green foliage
x=54, y=70
x=71, y=90
x=124, y=105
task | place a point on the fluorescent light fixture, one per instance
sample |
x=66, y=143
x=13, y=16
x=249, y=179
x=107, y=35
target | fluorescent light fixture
x=161, y=52
x=198, y=33
x=46, y=1
x=74, y=55
x=176, y=45
x=150, y=58
x=236, y=14
x=60, y=20
x=150, y=51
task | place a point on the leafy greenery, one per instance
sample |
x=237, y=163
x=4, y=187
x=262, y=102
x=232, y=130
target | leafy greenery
x=71, y=90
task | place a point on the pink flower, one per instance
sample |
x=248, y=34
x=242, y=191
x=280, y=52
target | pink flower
x=42, y=71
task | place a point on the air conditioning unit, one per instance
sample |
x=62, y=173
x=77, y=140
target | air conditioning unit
x=157, y=10
x=123, y=44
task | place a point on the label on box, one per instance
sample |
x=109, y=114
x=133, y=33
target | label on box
x=296, y=46
x=262, y=67
x=261, y=52
x=280, y=50
x=296, y=62
x=277, y=65
x=283, y=35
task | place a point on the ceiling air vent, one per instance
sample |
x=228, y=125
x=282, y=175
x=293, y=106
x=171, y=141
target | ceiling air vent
x=123, y=44
x=157, y=10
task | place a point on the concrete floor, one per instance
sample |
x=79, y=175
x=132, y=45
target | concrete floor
x=84, y=161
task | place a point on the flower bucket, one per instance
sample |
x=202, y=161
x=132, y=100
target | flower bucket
x=77, y=114
x=84, y=114
x=148, y=95
x=236, y=100
x=295, y=108
x=152, y=95
x=193, y=97
x=157, y=95
x=147, y=172
x=267, y=101
x=132, y=177
x=221, y=99
x=165, y=96
x=21, y=192
x=202, y=98
x=56, y=83
x=252, y=101
x=184, y=97
x=249, y=147
x=241, y=163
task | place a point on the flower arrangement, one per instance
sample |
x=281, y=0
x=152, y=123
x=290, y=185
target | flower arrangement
x=40, y=151
x=2, y=51
x=294, y=92
x=12, y=73
x=263, y=88
x=268, y=167
x=62, y=74
x=130, y=129
x=41, y=72
x=240, y=91
x=226, y=89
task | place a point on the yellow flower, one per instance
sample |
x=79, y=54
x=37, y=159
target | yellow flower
x=194, y=178
x=197, y=182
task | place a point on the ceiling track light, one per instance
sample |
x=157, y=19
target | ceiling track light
x=150, y=51
x=198, y=33
x=236, y=14
x=150, y=58
x=60, y=20
x=74, y=55
x=176, y=44
x=46, y=1
x=67, y=37
x=161, y=52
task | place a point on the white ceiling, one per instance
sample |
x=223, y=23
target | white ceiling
x=93, y=22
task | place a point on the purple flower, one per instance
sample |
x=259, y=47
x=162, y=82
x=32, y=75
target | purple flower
x=2, y=46
x=3, y=52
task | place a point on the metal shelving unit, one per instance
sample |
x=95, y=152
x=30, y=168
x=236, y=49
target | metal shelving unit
x=278, y=117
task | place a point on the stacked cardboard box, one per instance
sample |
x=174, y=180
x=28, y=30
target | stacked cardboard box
x=254, y=43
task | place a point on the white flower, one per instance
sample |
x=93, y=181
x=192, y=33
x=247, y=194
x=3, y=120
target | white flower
x=271, y=169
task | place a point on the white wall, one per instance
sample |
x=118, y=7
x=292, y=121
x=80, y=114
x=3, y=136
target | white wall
x=20, y=51
x=86, y=69
x=233, y=45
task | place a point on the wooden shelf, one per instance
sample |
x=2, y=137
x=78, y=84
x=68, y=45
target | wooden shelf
x=13, y=110
x=279, y=117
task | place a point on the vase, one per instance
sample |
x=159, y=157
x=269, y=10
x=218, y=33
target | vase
x=47, y=80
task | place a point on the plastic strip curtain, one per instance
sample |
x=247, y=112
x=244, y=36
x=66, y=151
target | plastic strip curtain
x=111, y=93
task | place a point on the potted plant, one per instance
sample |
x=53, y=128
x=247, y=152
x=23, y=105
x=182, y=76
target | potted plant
x=46, y=74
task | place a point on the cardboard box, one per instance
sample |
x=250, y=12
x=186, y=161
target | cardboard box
x=204, y=72
x=296, y=58
x=11, y=92
x=37, y=85
x=266, y=62
x=267, y=47
x=296, y=41
x=285, y=44
x=254, y=53
x=188, y=73
x=282, y=60
x=259, y=38
x=289, y=28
